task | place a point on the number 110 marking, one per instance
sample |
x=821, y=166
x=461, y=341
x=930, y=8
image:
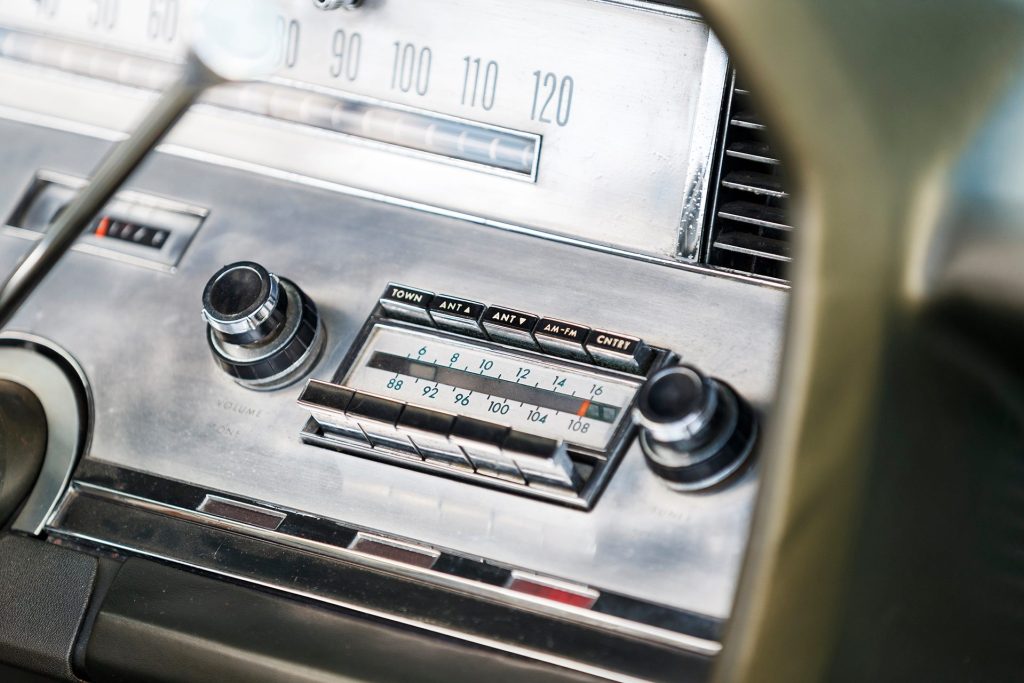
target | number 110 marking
x=490, y=84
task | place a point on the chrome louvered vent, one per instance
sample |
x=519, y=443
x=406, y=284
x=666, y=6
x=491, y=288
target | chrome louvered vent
x=749, y=231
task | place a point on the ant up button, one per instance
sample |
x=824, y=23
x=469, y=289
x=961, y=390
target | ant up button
x=457, y=315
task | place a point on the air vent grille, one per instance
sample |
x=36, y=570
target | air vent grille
x=749, y=227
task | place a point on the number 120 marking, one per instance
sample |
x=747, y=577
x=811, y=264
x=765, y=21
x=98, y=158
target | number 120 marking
x=559, y=93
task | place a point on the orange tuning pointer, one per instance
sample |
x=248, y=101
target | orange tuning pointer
x=584, y=407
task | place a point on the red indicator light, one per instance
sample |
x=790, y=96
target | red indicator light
x=101, y=229
x=579, y=597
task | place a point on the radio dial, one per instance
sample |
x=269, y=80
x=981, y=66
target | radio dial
x=695, y=431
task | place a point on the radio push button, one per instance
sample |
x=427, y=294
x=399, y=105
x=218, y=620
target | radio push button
x=328, y=403
x=482, y=441
x=407, y=303
x=560, y=338
x=457, y=315
x=542, y=461
x=618, y=351
x=510, y=326
x=428, y=430
x=378, y=418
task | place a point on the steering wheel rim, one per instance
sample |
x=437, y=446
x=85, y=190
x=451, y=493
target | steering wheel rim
x=881, y=106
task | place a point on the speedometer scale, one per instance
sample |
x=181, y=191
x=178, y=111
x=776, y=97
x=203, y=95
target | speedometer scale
x=535, y=396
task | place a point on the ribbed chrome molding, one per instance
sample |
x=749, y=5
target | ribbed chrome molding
x=255, y=542
x=59, y=383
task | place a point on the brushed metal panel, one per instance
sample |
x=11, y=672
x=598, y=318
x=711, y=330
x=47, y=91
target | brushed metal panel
x=162, y=406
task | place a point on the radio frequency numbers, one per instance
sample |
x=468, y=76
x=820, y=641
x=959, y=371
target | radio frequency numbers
x=576, y=405
x=436, y=373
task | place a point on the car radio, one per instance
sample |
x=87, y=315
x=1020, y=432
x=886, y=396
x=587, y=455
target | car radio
x=466, y=390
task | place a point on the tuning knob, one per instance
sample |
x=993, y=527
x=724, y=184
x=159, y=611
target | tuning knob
x=263, y=330
x=695, y=431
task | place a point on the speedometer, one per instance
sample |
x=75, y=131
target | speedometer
x=530, y=115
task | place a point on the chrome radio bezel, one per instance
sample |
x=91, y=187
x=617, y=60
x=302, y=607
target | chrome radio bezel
x=603, y=461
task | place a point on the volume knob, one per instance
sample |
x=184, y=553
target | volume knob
x=695, y=431
x=262, y=329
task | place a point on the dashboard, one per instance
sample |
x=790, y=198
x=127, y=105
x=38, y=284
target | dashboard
x=430, y=325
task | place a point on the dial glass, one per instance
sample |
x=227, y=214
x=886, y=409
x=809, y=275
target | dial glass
x=545, y=398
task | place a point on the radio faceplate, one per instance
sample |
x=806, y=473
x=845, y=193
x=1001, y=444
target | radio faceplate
x=421, y=390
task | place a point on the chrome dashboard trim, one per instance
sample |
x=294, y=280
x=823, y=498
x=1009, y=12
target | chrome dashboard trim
x=697, y=202
x=96, y=515
x=610, y=623
x=66, y=419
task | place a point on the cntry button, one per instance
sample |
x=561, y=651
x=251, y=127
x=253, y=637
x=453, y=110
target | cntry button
x=618, y=350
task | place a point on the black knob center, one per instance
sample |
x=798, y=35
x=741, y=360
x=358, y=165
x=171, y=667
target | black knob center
x=673, y=395
x=238, y=291
x=244, y=304
x=695, y=431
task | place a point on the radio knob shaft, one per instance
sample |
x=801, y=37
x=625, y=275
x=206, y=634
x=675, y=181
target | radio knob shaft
x=262, y=329
x=695, y=431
